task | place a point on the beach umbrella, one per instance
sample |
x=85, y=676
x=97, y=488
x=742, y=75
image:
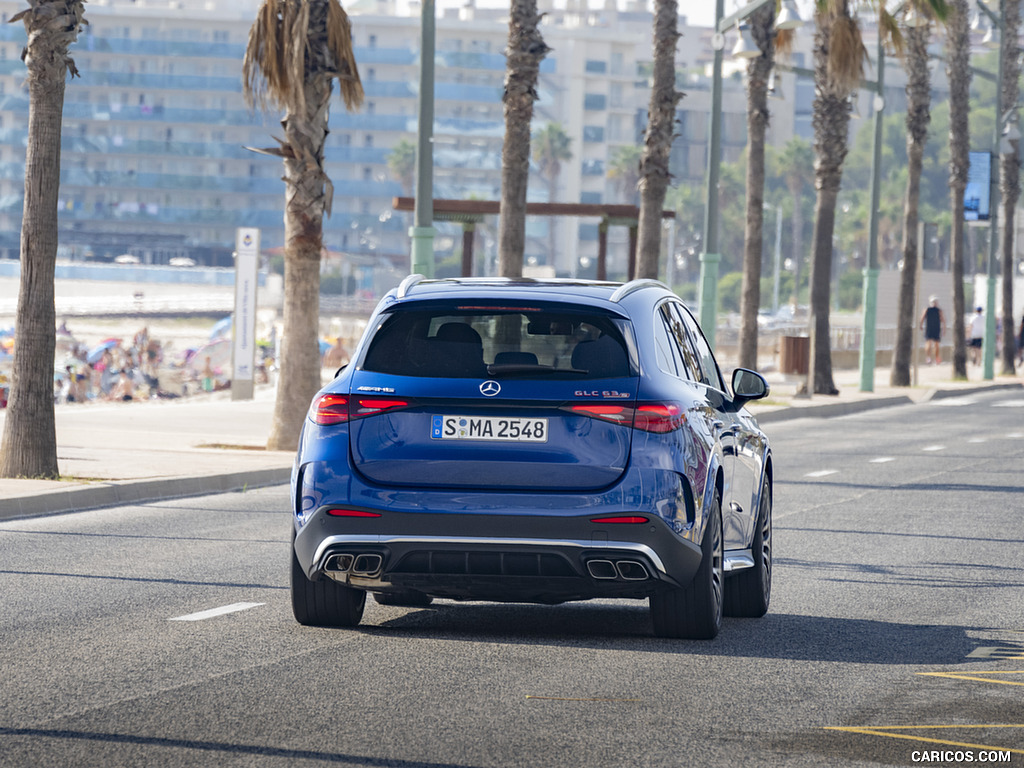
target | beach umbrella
x=97, y=352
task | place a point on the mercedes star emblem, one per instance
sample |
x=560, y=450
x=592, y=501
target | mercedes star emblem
x=490, y=388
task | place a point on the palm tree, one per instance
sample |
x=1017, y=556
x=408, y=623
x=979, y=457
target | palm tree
x=797, y=168
x=526, y=49
x=958, y=72
x=1009, y=177
x=624, y=171
x=918, y=119
x=297, y=48
x=402, y=164
x=839, y=57
x=762, y=28
x=29, y=446
x=550, y=148
x=661, y=118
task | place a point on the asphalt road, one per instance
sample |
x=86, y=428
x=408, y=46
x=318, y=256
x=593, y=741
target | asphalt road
x=896, y=629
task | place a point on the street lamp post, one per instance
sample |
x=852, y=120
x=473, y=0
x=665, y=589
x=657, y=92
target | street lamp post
x=710, y=258
x=870, y=301
x=422, y=231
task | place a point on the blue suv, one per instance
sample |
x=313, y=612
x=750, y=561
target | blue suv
x=534, y=441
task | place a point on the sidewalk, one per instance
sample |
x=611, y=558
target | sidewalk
x=123, y=453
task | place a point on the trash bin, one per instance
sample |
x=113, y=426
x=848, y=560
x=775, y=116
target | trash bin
x=794, y=354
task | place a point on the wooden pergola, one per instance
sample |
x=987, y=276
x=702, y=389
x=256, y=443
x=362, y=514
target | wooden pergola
x=469, y=213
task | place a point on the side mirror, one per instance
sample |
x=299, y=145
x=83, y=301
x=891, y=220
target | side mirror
x=748, y=385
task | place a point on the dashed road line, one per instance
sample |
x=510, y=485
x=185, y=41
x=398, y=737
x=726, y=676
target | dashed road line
x=1009, y=404
x=933, y=448
x=882, y=460
x=822, y=473
x=213, y=612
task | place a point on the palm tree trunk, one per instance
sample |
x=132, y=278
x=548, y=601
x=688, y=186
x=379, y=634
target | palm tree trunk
x=661, y=118
x=831, y=121
x=526, y=49
x=1009, y=182
x=918, y=119
x=308, y=196
x=958, y=73
x=29, y=445
x=762, y=28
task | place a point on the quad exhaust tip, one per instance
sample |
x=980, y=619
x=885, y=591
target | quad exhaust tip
x=366, y=564
x=626, y=570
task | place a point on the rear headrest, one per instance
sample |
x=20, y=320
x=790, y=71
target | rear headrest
x=603, y=357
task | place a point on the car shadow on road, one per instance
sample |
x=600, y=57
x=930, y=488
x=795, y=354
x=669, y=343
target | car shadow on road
x=627, y=628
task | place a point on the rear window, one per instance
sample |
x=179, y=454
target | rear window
x=499, y=342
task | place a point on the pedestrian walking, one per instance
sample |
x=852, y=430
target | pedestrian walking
x=977, y=331
x=933, y=322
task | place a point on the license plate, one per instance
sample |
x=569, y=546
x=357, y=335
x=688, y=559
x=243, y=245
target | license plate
x=516, y=430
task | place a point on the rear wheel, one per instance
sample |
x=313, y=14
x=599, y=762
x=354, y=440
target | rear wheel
x=404, y=599
x=694, y=612
x=324, y=603
x=748, y=593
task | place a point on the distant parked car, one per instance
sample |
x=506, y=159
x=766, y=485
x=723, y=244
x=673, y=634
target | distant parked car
x=534, y=441
x=126, y=258
x=181, y=261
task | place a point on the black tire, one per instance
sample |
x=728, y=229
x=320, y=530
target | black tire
x=404, y=599
x=324, y=603
x=694, y=612
x=749, y=592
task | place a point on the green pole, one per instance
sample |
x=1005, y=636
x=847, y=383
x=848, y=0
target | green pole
x=710, y=258
x=988, y=347
x=422, y=231
x=870, y=303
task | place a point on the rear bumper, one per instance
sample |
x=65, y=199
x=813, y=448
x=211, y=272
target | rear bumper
x=511, y=558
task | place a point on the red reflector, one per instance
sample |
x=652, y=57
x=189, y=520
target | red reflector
x=626, y=519
x=351, y=513
x=329, y=409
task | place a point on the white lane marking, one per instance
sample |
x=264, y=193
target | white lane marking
x=822, y=473
x=1015, y=435
x=978, y=440
x=1009, y=404
x=882, y=460
x=233, y=608
x=934, y=448
x=955, y=401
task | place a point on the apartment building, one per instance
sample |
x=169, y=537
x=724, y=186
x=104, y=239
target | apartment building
x=155, y=160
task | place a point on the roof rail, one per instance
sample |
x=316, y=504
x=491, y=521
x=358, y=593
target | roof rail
x=406, y=285
x=633, y=286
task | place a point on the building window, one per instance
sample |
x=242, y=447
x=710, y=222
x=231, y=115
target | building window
x=593, y=133
x=596, y=67
x=594, y=101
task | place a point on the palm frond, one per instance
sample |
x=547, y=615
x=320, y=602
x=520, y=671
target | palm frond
x=889, y=28
x=847, y=53
x=339, y=41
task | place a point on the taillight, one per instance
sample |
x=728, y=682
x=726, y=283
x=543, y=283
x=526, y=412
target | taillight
x=649, y=417
x=614, y=413
x=330, y=409
x=620, y=519
x=659, y=417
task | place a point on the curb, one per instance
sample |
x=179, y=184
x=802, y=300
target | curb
x=113, y=493
x=829, y=410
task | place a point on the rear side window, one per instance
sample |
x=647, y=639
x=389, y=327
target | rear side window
x=499, y=342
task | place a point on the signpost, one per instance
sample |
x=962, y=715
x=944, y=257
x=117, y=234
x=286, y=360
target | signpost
x=243, y=336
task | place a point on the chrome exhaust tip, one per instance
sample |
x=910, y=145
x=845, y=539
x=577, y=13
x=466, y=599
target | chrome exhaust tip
x=339, y=563
x=601, y=569
x=367, y=565
x=631, y=570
